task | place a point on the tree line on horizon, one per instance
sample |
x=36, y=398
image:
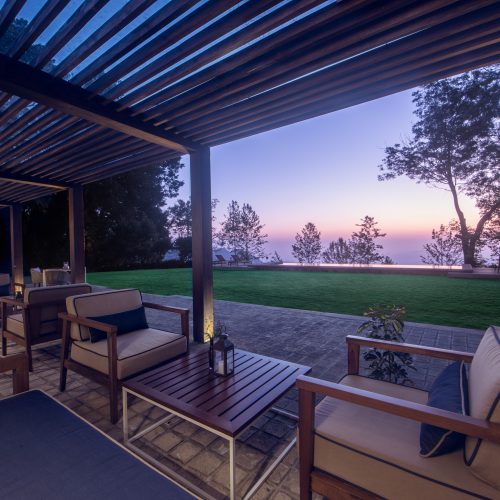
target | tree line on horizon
x=454, y=145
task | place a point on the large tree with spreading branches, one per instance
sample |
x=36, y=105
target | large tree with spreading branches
x=455, y=146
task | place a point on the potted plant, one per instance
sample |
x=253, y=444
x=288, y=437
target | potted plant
x=387, y=323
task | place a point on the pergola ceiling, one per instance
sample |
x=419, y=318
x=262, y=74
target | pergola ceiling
x=94, y=88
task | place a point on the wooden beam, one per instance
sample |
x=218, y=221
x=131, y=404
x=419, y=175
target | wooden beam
x=203, y=308
x=16, y=242
x=76, y=234
x=33, y=181
x=24, y=81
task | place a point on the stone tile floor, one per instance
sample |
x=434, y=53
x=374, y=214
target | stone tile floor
x=306, y=337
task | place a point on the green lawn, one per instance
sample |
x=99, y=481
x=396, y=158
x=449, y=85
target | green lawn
x=428, y=299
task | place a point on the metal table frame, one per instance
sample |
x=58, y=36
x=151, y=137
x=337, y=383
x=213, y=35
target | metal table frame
x=129, y=440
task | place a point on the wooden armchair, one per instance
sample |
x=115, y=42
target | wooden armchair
x=118, y=355
x=18, y=364
x=362, y=440
x=33, y=319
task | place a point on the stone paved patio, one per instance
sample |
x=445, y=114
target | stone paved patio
x=311, y=338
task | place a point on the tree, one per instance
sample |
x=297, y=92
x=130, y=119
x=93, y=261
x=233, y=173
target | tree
x=339, y=252
x=445, y=248
x=180, y=219
x=276, y=258
x=125, y=223
x=307, y=246
x=492, y=240
x=364, y=248
x=17, y=29
x=45, y=231
x=455, y=146
x=241, y=231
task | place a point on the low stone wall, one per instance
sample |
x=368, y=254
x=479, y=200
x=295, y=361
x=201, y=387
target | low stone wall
x=351, y=269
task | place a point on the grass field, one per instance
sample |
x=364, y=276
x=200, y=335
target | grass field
x=428, y=299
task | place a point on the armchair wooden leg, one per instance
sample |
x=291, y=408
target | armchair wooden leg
x=62, y=378
x=21, y=376
x=4, y=345
x=306, y=442
x=113, y=378
x=113, y=401
x=64, y=355
x=30, y=357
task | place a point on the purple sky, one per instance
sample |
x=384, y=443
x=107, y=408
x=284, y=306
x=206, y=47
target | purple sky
x=324, y=171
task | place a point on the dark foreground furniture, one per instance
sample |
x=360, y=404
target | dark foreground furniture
x=50, y=453
x=118, y=355
x=362, y=440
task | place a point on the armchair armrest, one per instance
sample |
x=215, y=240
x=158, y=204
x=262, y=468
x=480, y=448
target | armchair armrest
x=18, y=363
x=184, y=314
x=354, y=343
x=13, y=302
x=406, y=409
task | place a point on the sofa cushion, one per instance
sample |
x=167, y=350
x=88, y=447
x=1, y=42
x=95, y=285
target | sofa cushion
x=45, y=304
x=483, y=457
x=137, y=351
x=15, y=325
x=62, y=457
x=379, y=452
x=100, y=304
x=125, y=322
x=448, y=392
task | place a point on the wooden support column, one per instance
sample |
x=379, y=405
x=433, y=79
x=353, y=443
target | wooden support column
x=16, y=243
x=201, y=202
x=76, y=234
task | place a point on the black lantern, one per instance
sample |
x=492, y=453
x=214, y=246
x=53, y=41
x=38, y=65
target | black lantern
x=222, y=356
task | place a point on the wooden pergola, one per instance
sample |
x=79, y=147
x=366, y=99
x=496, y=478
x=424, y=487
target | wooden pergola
x=112, y=89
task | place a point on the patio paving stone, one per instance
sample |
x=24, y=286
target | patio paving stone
x=312, y=338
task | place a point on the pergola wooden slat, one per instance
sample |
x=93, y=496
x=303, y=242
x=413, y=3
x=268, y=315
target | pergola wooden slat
x=115, y=88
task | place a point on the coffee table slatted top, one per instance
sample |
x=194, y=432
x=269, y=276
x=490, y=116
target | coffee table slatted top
x=227, y=404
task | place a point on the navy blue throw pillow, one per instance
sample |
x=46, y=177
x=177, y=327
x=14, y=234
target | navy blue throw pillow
x=126, y=321
x=449, y=392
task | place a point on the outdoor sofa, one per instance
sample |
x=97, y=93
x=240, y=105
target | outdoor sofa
x=49, y=452
x=33, y=320
x=363, y=437
x=106, y=337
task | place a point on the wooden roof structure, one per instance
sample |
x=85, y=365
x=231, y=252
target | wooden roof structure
x=93, y=88
x=119, y=85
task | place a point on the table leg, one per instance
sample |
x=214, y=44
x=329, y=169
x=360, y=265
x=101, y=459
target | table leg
x=232, y=471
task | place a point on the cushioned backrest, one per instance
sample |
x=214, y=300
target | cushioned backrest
x=5, y=285
x=47, y=302
x=100, y=304
x=483, y=457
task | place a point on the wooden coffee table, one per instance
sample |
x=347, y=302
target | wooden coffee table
x=223, y=405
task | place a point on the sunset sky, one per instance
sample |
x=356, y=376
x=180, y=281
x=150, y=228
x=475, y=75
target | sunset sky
x=324, y=171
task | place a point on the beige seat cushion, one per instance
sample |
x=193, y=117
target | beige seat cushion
x=44, y=306
x=483, y=457
x=15, y=325
x=100, y=304
x=136, y=350
x=380, y=452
